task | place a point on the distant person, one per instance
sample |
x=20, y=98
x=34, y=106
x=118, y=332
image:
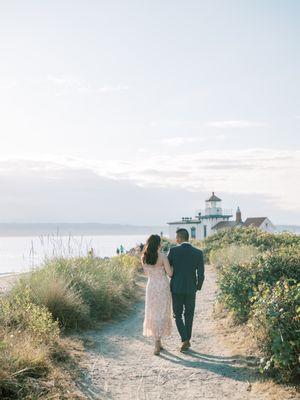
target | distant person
x=161, y=234
x=118, y=251
x=187, y=278
x=122, y=250
x=158, y=317
x=91, y=253
x=141, y=247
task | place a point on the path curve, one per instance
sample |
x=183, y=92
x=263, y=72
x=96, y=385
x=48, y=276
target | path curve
x=121, y=364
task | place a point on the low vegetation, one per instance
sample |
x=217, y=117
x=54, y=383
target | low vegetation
x=232, y=254
x=258, y=278
x=250, y=236
x=65, y=294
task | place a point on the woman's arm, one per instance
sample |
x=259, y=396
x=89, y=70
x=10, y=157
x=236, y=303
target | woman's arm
x=143, y=265
x=167, y=266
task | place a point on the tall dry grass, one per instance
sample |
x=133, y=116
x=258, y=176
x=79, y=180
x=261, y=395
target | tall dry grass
x=232, y=254
x=64, y=294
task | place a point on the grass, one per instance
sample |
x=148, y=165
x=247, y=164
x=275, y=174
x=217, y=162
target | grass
x=64, y=295
x=232, y=254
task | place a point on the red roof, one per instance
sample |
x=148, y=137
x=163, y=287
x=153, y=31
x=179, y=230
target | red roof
x=256, y=221
x=224, y=224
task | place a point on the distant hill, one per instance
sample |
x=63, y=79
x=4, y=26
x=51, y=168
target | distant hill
x=75, y=229
x=288, y=228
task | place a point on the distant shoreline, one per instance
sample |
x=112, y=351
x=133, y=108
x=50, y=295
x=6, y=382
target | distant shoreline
x=75, y=229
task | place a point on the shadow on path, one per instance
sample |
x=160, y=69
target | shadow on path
x=235, y=368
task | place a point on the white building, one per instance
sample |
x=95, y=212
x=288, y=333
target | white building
x=214, y=218
x=262, y=223
x=201, y=226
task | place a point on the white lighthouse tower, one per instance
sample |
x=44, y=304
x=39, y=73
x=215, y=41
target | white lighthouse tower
x=213, y=205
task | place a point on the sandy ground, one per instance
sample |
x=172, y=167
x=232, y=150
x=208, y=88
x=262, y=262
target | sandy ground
x=6, y=281
x=120, y=363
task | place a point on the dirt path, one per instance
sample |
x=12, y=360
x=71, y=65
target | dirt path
x=121, y=364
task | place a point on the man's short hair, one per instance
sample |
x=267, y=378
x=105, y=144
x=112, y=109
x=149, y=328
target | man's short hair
x=182, y=234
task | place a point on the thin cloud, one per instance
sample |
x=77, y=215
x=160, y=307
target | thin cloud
x=8, y=85
x=66, y=85
x=176, y=123
x=236, y=124
x=181, y=140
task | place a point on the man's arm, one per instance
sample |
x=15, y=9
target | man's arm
x=200, y=271
x=170, y=256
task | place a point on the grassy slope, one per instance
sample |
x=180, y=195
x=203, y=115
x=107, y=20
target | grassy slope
x=36, y=358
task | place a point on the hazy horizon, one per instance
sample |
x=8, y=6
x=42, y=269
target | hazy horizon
x=134, y=112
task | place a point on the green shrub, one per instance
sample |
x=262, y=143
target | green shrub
x=248, y=236
x=240, y=283
x=18, y=312
x=275, y=322
x=281, y=262
x=262, y=290
x=237, y=284
x=166, y=245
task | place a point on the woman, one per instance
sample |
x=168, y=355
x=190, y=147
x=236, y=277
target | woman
x=157, y=322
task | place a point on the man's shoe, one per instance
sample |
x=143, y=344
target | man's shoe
x=185, y=345
x=189, y=343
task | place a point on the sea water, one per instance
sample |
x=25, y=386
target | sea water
x=22, y=253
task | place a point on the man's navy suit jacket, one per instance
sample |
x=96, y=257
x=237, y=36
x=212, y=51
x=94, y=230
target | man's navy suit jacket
x=188, y=266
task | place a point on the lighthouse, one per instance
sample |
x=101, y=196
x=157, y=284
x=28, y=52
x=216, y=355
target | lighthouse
x=201, y=226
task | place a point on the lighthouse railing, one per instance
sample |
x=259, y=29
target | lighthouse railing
x=207, y=212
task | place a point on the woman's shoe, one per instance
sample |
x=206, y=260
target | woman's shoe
x=157, y=348
x=160, y=345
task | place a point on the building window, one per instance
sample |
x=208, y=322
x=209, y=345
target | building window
x=204, y=231
x=193, y=232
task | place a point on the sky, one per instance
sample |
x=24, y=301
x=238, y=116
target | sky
x=134, y=111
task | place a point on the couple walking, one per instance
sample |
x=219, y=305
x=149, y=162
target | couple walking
x=184, y=265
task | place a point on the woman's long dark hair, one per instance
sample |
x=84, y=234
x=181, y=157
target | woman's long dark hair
x=150, y=254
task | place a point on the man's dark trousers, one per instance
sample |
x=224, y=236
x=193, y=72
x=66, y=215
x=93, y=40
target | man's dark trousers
x=184, y=303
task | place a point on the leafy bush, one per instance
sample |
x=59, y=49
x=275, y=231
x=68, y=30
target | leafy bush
x=239, y=283
x=248, y=236
x=281, y=262
x=275, y=322
x=166, y=245
x=262, y=290
x=18, y=312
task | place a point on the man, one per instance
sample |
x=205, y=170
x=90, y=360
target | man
x=188, y=277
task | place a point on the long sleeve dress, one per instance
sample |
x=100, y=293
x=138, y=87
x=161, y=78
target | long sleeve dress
x=158, y=319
